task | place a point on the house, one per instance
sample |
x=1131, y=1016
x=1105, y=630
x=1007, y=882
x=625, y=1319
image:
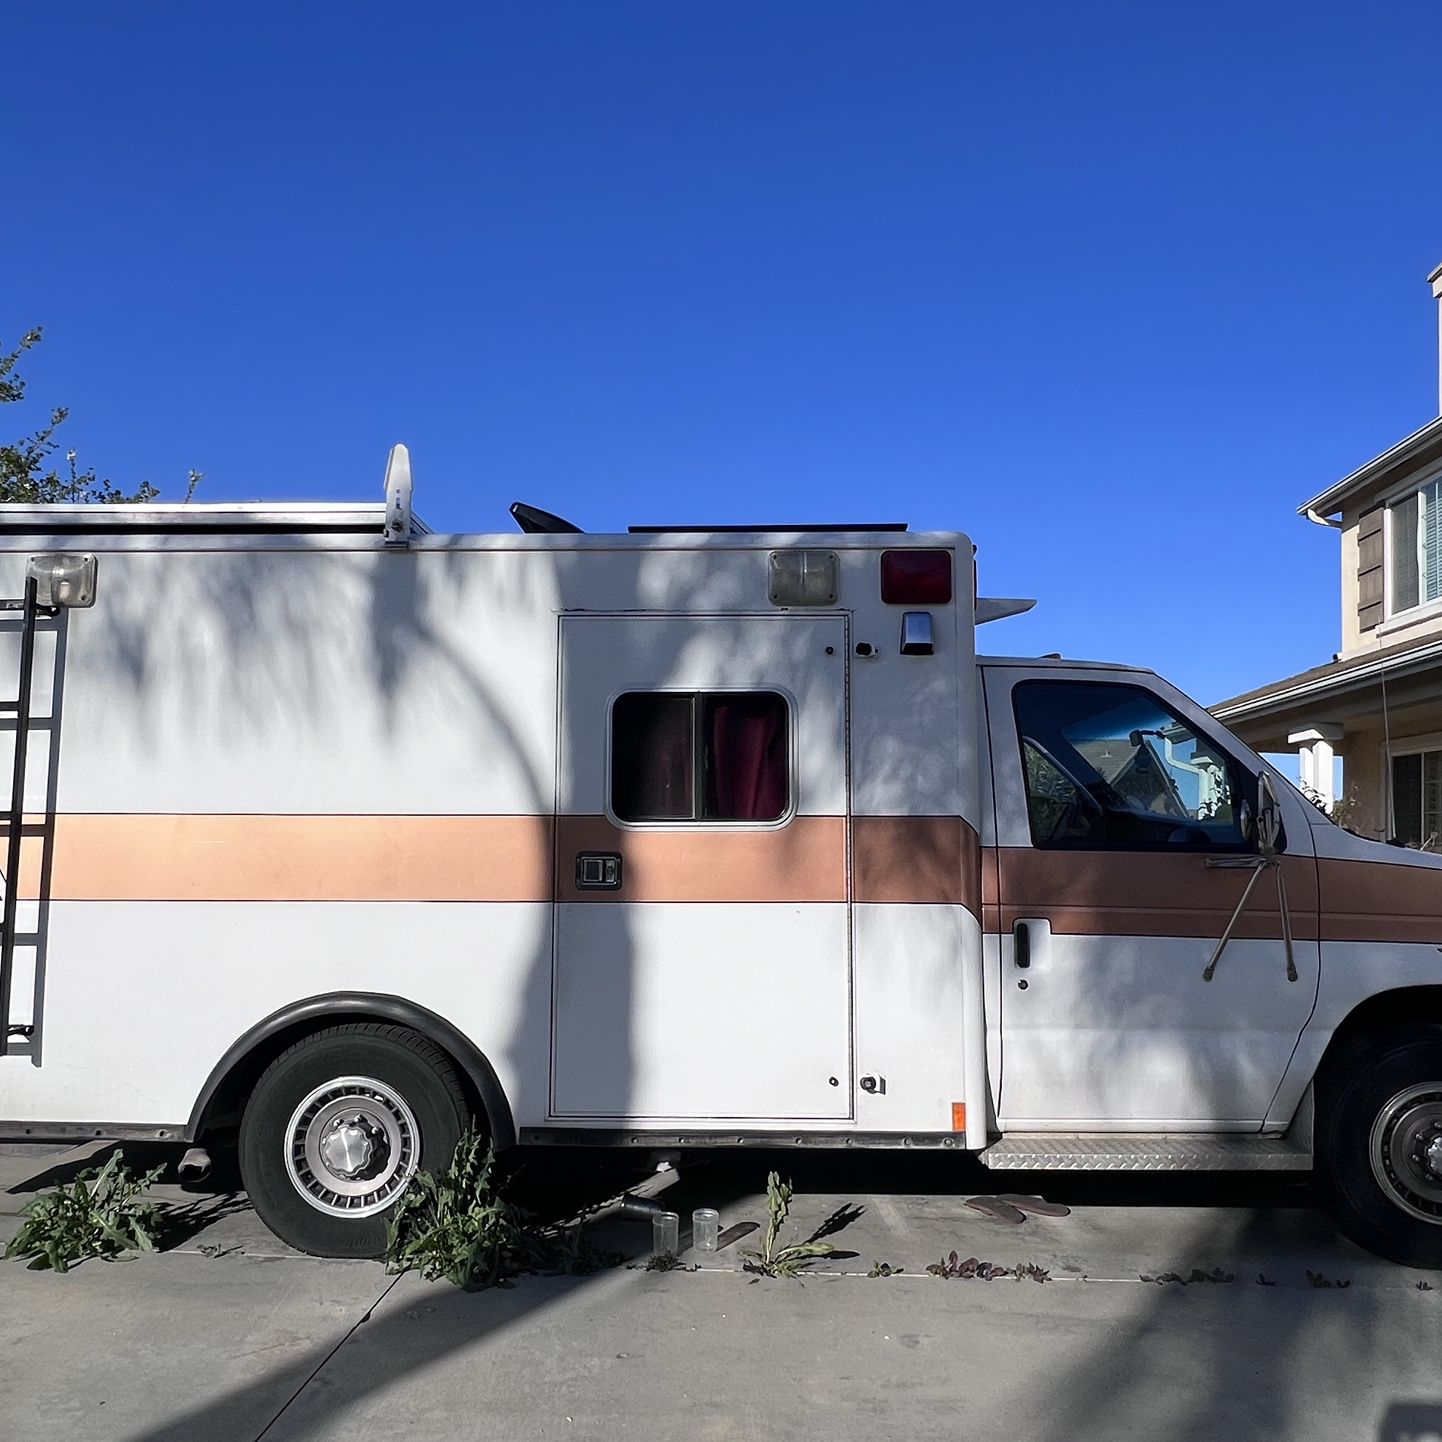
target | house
x=1378, y=702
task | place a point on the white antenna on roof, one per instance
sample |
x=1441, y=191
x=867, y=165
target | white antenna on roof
x=398, y=497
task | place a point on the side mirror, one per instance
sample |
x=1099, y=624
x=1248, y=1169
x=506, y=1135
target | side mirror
x=1269, y=817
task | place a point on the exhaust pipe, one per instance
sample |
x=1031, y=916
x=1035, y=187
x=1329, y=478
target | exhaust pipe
x=194, y=1165
x=634, y=1201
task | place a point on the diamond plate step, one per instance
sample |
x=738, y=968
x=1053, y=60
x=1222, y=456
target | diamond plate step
x=1145, y=1152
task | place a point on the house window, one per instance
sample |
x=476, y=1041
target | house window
x=1415, y=542
x=700, y=756
x=1417, y=799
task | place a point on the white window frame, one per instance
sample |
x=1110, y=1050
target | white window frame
x=1423, y=609
x=1403, y=746
x=692, y=824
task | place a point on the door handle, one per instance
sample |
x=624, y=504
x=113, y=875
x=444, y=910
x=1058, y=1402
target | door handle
x=598, y=871
x=1021, y=945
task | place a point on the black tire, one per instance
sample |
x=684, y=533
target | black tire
x=408, y=1069
x=1381, y=1089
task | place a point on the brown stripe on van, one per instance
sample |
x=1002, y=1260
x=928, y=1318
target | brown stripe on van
x=229, y=858
x=804, y=860
x=990, y=891
x=1380, y=901
x=911, y=859
x=295, y=858
x=1135, y=893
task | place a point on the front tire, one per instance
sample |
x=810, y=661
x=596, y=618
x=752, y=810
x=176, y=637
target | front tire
x=337, y=1126
x=1379, y=1143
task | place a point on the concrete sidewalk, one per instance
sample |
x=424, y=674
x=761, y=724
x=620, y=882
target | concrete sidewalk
x=232, y=1336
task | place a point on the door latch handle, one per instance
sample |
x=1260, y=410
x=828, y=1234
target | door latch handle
x=1021, y=945
x=598, y=871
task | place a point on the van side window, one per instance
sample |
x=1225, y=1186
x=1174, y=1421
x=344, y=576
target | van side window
x=1109, y=767
x=700, y=756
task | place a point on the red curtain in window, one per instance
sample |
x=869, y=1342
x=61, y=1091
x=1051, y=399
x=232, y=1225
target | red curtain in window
x=747, y=780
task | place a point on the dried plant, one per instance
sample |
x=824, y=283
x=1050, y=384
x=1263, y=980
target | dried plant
x=953, y=1266
x=1197, y=1275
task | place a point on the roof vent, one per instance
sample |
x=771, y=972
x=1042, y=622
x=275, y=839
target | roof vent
x=536, y=522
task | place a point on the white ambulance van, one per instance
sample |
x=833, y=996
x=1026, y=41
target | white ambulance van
x=348, y=835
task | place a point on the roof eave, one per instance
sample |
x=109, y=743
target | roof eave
x=1329, y=502
x=1292, y=690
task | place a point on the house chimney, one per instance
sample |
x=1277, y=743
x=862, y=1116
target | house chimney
x=1436, y=279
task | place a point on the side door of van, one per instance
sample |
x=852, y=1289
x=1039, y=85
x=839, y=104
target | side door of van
x=702, y=966
x=1124, y=847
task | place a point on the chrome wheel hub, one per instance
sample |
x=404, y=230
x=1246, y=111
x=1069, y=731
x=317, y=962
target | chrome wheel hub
x=1434, y=1155
x=347, y=1148
x=1406, y=1151
x=352, y=1146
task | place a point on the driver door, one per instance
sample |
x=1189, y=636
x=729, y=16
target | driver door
x=1124, y=842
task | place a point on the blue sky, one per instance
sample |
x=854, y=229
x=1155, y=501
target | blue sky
x=1111, y=287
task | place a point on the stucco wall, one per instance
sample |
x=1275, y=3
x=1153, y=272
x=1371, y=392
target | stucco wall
x=1364, y=783
x=1424, y=622
x=1364, y=773
x=1351, y=636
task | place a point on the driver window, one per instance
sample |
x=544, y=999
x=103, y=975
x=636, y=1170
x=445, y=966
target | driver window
x=1109, y=767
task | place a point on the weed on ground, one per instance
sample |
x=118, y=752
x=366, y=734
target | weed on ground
x=100, y=1214
x=460, y=1225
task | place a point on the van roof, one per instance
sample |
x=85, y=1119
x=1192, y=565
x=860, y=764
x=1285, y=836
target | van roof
x=351, y=525
x=1071, y=663
x=837, y=528
x=193, y=517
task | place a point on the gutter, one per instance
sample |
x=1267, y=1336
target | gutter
x=1323, y=684
x=1393, y=460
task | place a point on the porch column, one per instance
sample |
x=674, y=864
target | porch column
x=1315, y=750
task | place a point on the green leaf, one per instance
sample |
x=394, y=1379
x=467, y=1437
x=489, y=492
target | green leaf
x=808, y=1249
x=458, y=1224
x=99, y=1214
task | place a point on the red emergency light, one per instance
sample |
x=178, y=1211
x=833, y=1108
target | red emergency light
x=916, y=578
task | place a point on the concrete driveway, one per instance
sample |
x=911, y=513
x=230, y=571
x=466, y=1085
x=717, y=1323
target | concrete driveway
x=230, y=1335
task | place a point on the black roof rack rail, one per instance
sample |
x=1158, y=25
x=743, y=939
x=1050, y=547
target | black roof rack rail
x=777, y=529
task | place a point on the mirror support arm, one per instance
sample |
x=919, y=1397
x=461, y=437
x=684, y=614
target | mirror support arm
x=1269, y=827
x=1286, y=918
x=1256, y=864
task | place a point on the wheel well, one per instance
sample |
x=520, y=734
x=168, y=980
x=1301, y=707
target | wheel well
x=1408, y=1004
x=236, y=1073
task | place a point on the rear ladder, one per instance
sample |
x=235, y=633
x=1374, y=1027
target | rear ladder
x=30, y=613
